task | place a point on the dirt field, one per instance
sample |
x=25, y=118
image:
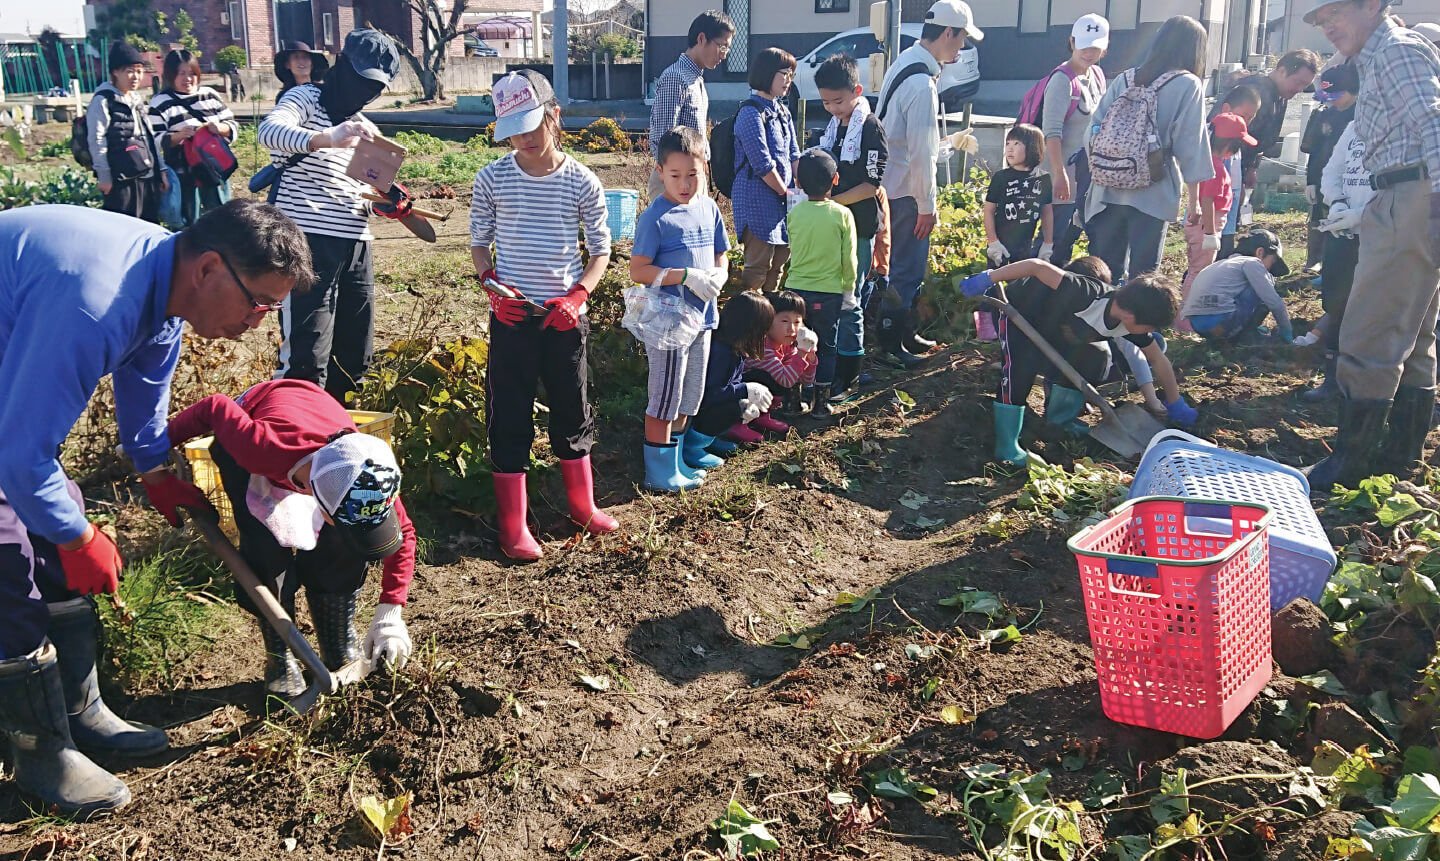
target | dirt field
x=848, y=535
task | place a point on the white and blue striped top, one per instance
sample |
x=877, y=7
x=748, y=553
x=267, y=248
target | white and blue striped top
x=316, y=193
x=535, y=222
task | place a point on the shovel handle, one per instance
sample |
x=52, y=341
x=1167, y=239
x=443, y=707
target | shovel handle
x=418, y=210
x=208, y=524
x=1052, y=354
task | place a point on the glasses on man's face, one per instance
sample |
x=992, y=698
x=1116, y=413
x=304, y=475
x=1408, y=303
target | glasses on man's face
x=255, y=304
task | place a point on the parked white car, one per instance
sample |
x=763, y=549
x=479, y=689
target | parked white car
x=958, y=81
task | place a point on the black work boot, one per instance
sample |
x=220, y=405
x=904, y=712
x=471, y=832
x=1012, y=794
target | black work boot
x=1361, y=426
x=892, y=324
x=74, y=627
x=43, y=757
x=283, y=676
x=334, y=618
x=820, y=402
x=910, y=340
x=1326, y=390
x=1410, y=418
x=847, y=370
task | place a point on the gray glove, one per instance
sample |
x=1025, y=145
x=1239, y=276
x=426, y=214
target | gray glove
x=758, y=396
x=997, y=254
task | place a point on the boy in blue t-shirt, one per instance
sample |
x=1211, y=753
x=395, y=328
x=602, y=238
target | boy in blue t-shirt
x=680, y=243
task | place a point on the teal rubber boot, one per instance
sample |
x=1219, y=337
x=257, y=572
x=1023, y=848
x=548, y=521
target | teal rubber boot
x=693, y=452
x=678, y=437
x=1008, y=420
x=1063, y=407
x=662, y=469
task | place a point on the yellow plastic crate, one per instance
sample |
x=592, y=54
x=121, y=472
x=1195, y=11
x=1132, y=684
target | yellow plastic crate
x=206, y=476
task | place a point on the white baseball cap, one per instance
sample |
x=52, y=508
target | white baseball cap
x=520, y=100
x=1428, y=30
x=1091, y=31
x=355, y=479
x=957, y=14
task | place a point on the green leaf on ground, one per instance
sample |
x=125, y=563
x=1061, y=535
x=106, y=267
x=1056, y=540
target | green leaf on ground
x=917, y=652
x=1396, y=508
x=1417, y=801
x=912, y=500
x=743, y=834
x=791, y=641
x=955, y=715
x=1171, y=802
x=1384, y=712
x=974, y=601
x=1007, y=634
x=388, y=818
x=1131, y=847
x=1325, y=682
x=1106, y=788
x=1421, y=760
x=855, y=603
x=897, y=783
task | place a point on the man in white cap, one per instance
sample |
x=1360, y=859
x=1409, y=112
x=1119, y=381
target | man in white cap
x=1386, y=366
x=909, y=107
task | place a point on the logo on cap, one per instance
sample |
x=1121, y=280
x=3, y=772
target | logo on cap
x=371, y=495
x=1092, y=28
x=517, y=98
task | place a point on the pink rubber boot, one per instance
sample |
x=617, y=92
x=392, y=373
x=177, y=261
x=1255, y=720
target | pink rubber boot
x=580, y=491
x=515, y=538
x=744, y=433
x=768, y=424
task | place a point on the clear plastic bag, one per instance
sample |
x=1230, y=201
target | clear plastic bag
x=660, y=320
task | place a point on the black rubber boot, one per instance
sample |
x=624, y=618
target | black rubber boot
x=74, y=627
x=334, y=618
x=1314, y=249
x=847, y=370
x=1327, y=389
x=911, y=341
x=43, y=757
x=892, y=324
x=1404, y=446
x=1361, y=426
x=283, y=676
x=820, y=402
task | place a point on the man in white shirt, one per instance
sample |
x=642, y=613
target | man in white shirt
x=910, y=109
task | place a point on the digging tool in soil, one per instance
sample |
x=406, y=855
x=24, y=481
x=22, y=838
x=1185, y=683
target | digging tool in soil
x=322, y=680
x=1126, y=431
x=417, y=222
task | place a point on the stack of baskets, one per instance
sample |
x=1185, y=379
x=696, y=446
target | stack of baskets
x=620, y=212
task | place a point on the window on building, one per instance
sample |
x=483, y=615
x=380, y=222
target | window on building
x=327, y=27
x=1034, y=16
x=739, y=58
x=237, y=30
x=832, y=5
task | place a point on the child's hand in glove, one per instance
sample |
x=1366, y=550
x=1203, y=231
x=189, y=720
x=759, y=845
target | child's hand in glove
x=806, y=341
x=997, y=253
x=758, y=395
x=749, y=412
x=706, y=283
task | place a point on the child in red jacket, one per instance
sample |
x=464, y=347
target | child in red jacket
x=315, y=502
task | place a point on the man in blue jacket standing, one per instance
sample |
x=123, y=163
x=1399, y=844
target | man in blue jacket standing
x=86, y=293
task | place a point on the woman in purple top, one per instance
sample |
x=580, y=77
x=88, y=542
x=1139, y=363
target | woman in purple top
x=765, y=155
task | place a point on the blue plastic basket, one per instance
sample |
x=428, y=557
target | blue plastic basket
x=1301, y=558
x=620, y=206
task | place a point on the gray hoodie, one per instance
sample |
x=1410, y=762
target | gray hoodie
x=97, y=124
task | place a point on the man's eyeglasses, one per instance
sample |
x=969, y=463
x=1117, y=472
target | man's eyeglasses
x=255, y=304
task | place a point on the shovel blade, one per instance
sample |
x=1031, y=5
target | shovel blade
x=353, y=672
x=1130, y=431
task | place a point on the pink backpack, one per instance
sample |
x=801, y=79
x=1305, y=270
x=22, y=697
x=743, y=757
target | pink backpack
x=1032, y=107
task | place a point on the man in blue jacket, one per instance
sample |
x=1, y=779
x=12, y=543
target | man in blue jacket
x=86, y=293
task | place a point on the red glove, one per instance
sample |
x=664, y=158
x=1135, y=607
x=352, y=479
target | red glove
x=565, y=311
x=507, y=310
x=399, y=205
x=170, y=492
x=94, y=567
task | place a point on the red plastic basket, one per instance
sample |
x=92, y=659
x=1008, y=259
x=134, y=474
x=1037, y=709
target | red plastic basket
x=1177, y=595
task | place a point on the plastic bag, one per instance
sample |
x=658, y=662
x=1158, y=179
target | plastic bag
x=660, y=320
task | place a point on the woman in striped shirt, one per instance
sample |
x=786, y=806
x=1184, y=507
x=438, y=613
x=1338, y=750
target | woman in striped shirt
x=177, y=113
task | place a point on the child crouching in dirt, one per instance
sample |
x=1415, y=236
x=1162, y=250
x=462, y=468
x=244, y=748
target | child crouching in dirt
x=1076, y=312
x=531, y=205
x=315, y=503
x=680, y=244
x=729, y=400
x=789, y=360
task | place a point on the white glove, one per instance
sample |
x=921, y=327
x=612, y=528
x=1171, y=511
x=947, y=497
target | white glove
x=1309, y=339
x=706, y=283
x=758, y=396
x=1341, y=220
x=964, y=140
x=347, y=135
x=388, y=639
x=850, y=301
x=1310, y=194
x=1210, y=242
x=997, y=253
x=1046, y=249
x=806, y=341
x=748, y=411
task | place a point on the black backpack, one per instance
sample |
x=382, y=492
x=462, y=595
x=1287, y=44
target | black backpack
x=722, y=152
x=80, y=142
x=905, y=74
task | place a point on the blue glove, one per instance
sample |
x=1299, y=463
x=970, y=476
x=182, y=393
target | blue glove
x=1182, y=413
x=1286, y=333
x=977, y=284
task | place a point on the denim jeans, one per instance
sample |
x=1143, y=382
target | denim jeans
x=1129, y=241
x=909, y=256
x=1223, y=327
x=822, y=316
x=850, y=341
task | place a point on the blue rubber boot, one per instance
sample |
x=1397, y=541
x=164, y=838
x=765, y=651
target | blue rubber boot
x=1008, y=419
x=678, y=437
x=720, y=445
x=662, y=469
x=1063, y=407
x=692, y=451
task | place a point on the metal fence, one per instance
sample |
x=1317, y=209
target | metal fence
x=30, y=68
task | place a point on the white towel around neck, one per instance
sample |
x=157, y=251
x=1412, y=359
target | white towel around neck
x=850, y=151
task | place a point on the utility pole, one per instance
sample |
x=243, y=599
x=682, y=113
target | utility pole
x=892, y=37
x=560, y=35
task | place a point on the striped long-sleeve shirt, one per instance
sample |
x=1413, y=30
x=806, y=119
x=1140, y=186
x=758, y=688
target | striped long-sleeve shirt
x=785, y=364
x=534, y=222
x=1397, y=113
x=168, y=113
x=316, y=193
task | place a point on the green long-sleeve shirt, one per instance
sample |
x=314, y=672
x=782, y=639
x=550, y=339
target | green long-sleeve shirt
x=822, y=247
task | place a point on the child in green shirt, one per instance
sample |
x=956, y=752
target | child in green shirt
x=822, y=264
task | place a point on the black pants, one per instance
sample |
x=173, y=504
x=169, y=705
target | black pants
x=330, y=569
x=1023, y=362
x=520, y=357
x=1342, y=253
x=139, y=198
x=329, y=330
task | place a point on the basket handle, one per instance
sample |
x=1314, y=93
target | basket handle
x=1173, y=434
x=1131, y=568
